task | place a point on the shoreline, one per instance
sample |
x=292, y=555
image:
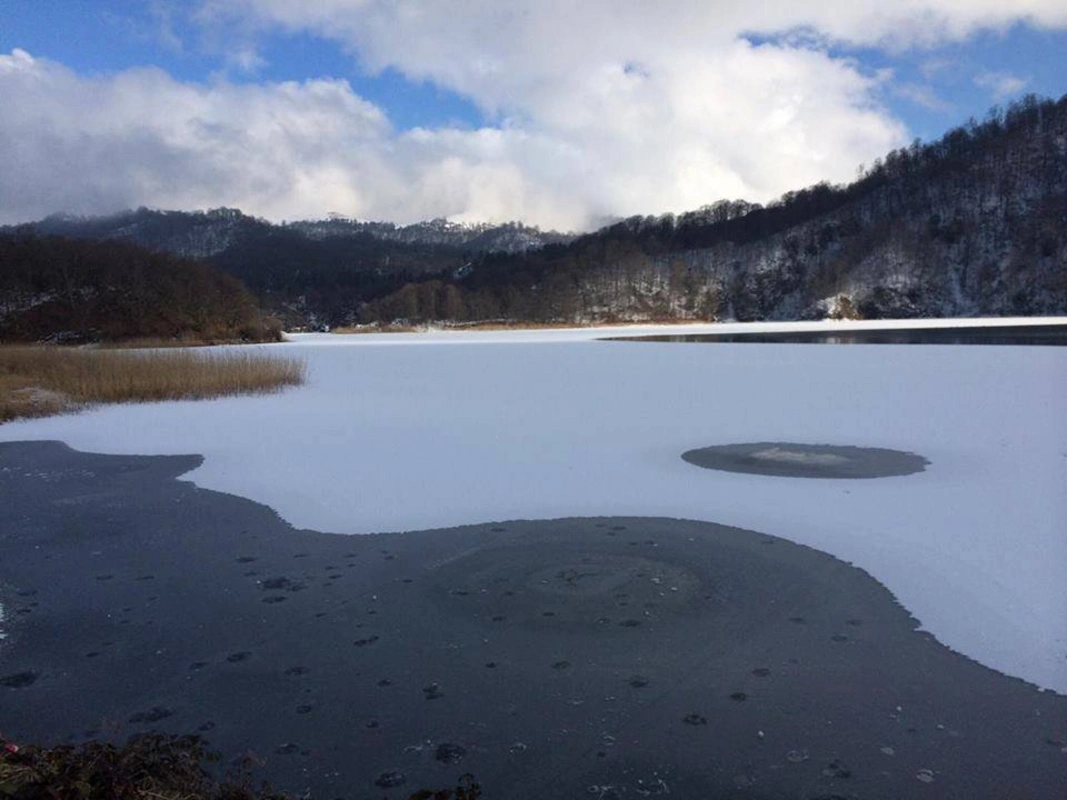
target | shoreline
x=723, y=326
x=709, y=658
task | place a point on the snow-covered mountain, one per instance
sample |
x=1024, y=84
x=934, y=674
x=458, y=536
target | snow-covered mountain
x=509, y=237
x=196, y=234
x=203, y=234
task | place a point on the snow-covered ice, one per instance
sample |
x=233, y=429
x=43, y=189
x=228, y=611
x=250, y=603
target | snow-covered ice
x=403, y=432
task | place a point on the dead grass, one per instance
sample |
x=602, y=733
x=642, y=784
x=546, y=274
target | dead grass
x=43, y=380
x=155, y=343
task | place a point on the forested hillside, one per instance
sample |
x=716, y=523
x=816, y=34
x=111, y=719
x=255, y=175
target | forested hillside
x=973, y=224
x=309, y=273
x=65, y=290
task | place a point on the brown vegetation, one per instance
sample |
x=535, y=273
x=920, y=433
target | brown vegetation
x=151, y=766
x=44, y=380
x=148, y=767
x=63, y=290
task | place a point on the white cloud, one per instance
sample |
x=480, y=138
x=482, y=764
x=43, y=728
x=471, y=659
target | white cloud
x=163, y=16
x=742, y=121
x=599, y=108
x=923, y=95
x=1001, y=85
x=246, y=59
x=472, y=45
x=82, y=144
x=933, y=67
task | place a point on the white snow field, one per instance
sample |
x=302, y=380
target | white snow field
x=410, y=431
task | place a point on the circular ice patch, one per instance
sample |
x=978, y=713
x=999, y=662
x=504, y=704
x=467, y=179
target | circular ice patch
x=790, y=460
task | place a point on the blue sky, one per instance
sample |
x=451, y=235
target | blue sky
x=482, y=110
x=114, y=35
x=956, y=73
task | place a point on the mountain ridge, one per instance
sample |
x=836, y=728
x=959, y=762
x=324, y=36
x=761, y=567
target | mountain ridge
x=175, y=230
x=973, y=223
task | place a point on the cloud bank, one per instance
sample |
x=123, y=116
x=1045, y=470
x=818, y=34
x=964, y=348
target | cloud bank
x=595, y=110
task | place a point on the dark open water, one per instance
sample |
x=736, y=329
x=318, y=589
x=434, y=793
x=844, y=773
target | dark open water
x=1046, y=335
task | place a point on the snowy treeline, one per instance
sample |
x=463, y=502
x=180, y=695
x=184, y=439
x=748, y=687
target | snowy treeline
x=975, y=223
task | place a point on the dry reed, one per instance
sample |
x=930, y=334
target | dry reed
x=37, y=381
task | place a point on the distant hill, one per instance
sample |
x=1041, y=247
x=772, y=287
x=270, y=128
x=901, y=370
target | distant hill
x=973, y=224
x=312, y=272
x=65, y=290
x=509, y=237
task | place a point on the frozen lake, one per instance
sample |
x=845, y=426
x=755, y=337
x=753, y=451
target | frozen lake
x=408, y=432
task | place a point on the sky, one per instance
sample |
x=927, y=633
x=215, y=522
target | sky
x=561, y=114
